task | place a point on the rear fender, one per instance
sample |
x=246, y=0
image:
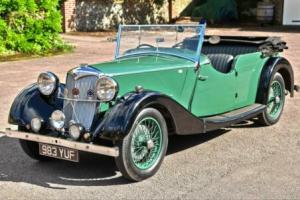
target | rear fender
x=273, y=65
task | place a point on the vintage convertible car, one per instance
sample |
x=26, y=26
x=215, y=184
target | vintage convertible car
x=165, y=79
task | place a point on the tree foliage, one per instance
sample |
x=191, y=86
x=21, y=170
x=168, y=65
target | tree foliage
x=30, y=26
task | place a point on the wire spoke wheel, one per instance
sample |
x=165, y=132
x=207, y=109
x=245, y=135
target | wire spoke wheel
x=275, y=100
x=146, y=143
x=143, y=149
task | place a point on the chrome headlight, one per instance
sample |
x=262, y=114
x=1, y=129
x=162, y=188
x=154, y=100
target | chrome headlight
x=75, y=130
x=106, y=88
x=57, y=119
x=36, y=124
x=47, y=83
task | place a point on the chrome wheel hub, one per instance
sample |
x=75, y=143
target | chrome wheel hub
x=277, y=99
x=150, y=144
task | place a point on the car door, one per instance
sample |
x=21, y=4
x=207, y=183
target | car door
x=215, y=92
x=248, y=68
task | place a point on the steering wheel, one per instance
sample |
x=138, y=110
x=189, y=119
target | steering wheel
x=145, y=45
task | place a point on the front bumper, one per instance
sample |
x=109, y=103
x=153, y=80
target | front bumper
x=92, y=148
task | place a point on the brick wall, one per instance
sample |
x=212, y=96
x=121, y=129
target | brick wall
x=95, y=15
x=69, y=14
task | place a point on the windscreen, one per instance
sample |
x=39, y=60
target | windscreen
x=179, y=40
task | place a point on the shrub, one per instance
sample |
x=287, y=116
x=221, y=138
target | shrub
x=30, y=26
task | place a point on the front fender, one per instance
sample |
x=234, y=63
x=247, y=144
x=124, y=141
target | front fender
x=118, y=121
x=31, y=103
x=273, y=65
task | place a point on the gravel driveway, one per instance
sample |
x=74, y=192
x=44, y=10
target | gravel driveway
x=243, y=161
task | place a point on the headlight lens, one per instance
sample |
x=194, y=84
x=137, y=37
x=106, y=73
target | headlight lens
x=106, y=89
x=57, y=119
x=36, y=124
x=47, y=83
x=75, y=131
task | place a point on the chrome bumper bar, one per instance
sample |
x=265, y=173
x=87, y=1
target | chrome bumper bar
x=97, y=149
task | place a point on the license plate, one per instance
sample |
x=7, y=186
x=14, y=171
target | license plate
x=59, y=152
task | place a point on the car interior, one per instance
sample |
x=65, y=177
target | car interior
x=221, y=50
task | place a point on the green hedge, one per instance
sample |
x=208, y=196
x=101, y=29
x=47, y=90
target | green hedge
x=30, y=27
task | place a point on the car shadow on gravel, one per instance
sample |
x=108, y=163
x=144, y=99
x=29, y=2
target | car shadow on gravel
x=92, y=170
x=179, y=143
x=253, y=123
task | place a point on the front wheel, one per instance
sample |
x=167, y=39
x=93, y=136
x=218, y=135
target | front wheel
x=143, y=149
x=276, y=101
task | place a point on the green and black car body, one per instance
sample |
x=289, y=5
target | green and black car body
x=164, y=80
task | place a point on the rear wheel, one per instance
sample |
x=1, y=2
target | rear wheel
x=32, y=148
x=276, y=101
x=143, y=149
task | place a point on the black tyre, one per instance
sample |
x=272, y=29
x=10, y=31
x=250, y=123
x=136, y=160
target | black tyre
x=143, y=149
x=32, y=149
x=276, y=101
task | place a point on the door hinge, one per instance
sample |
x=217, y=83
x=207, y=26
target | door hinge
x=236, y=73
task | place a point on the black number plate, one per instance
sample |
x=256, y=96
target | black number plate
x=59, y=152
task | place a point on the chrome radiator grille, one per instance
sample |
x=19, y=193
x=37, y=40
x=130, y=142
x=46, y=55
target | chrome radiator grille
x=80, y=108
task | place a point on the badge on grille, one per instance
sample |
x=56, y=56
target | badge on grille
x=75, y=92
x=90, y=93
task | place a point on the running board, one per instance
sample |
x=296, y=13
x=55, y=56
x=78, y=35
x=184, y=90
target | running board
x=233, y=117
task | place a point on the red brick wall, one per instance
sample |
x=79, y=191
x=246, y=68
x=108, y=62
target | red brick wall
x=68, y=12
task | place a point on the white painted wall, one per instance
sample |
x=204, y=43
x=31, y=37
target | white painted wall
x=291, y=12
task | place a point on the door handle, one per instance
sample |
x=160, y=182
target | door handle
x=202, y=78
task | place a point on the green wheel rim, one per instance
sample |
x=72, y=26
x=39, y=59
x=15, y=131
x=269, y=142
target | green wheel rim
x=146, y=143
x=275, y=100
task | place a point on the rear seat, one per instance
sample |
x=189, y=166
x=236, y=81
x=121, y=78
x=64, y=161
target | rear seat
x=233, y=50
x=221, y=62
x=221, y=55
